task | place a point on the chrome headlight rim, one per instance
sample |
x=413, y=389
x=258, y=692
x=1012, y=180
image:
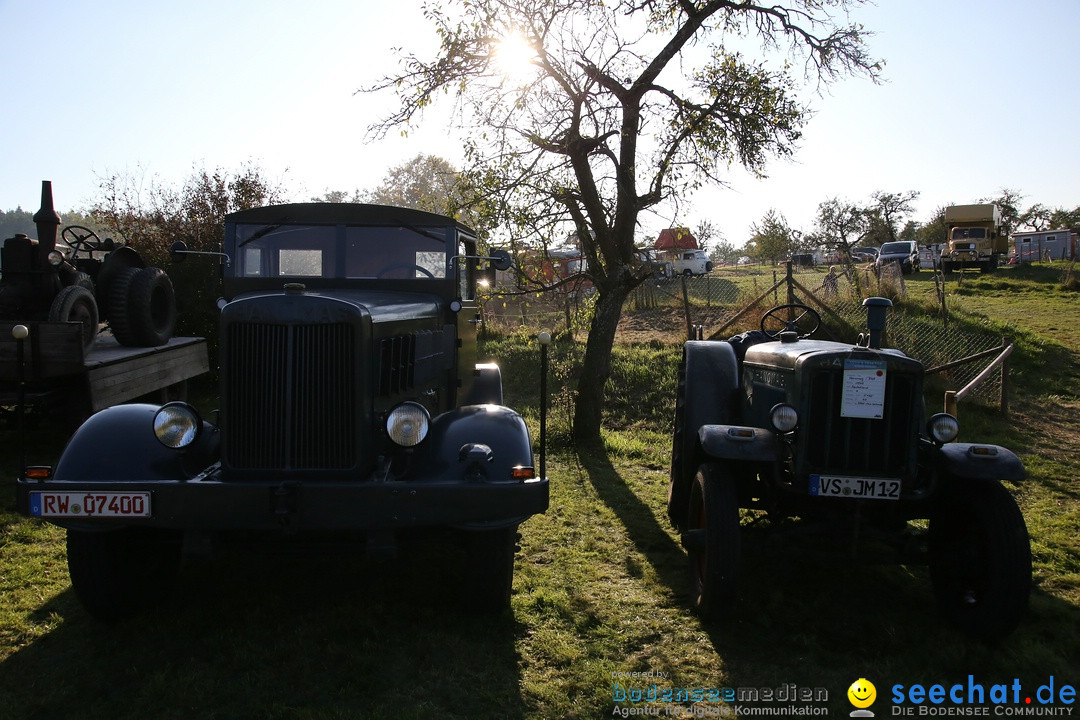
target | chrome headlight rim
x=783, y=417
x=407, y=424
x=177, y=425
x=943, y=428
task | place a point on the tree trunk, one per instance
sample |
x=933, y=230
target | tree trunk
x=596, y=367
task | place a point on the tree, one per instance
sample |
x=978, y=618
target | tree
x=773, y=239
x=151, y=217
x=886, y=212
x=625, y=105
x=933, y=231
x=1008, y=202
x=840, y=225
x=426, y=182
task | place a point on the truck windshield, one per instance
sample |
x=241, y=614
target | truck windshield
x=895, y=248
x=969, y=233
x=340, y=251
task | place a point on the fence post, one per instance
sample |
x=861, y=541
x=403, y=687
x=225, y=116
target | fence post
x=686, y=307
x=950, y=403
x=1004, y=397
x=790, y=287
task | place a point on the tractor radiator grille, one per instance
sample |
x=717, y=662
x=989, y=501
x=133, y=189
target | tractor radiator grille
x=290, y=397
x=856, y=446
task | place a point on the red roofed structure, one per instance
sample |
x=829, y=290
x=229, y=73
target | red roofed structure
x=676, y=239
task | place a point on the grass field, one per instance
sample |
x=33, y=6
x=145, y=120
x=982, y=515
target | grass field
x=600, y=589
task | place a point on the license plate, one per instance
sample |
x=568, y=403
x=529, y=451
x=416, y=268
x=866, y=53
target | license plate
x=855, y=487
x=85, y=504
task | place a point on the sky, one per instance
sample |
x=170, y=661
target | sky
x=977, y=96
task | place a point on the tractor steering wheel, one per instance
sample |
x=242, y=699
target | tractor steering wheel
x=81, y=238
x=794, y=317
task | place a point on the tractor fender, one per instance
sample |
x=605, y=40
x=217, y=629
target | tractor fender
x=477, y=442
x=708, y=384
x=979, y=461
x=738, y=442
x=486, y=385
x=118, y=444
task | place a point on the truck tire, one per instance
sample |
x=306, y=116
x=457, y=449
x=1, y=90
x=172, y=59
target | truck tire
x=980, y=559
x=489, y=575
x=118, y=312
x=714, y=541
x=77, y=304
x=151, y=307
x=117, y=574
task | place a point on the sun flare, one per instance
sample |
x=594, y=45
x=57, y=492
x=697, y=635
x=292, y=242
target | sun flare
x=514, y=55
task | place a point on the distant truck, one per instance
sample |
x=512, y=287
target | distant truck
x=973, y=238
x=692, y=262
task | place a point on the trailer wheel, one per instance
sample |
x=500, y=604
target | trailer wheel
x=151, y=307
x=117, y=574
x=77, y=304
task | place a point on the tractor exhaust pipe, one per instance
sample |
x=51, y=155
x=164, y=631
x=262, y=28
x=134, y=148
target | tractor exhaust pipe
x=47, y=221
x=876, y=312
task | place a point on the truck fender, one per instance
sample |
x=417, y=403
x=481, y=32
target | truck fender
x=738, y=442
x=978, y=461
x=478, y=442
x=118, y=444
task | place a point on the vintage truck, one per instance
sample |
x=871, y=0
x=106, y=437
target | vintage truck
x=352, y=407
x=974, y=238
x=829, y=444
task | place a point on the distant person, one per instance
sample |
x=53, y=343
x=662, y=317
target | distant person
x=830, y=285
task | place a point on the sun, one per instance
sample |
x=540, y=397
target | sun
x=514, y=55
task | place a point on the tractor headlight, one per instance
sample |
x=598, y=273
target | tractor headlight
x=55, y=258
x=943, y=427
x=408, y=423
x=177, y=425
x=783, y=417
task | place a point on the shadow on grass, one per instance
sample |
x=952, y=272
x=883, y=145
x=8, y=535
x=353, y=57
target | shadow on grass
x=266, y=636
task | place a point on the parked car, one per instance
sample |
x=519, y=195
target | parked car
x=904, y=252
x=864, y=254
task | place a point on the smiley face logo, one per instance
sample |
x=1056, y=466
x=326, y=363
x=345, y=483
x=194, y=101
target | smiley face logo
x=862, y=693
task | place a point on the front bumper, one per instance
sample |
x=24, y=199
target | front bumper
x=209, y=504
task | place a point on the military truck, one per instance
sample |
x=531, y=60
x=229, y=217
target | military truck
x=352, y=407
x=828, y=443
x=974, y=238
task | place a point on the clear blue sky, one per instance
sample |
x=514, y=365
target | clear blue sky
x=978, y=95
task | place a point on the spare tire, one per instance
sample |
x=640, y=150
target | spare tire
x=119, y=293
x=151, y=307
x=77, y=304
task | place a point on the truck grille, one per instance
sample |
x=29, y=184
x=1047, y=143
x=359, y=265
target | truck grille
x=290, y=397
x=855, y=446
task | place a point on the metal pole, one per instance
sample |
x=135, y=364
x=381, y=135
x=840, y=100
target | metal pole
x=545, y=339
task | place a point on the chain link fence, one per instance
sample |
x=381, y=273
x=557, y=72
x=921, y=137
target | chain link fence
x=728, y=301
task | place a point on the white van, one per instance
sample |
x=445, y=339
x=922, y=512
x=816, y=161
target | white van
x=692, y=262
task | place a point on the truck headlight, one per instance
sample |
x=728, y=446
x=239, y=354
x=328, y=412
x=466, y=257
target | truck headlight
x=407, y=424
x=177, y=425
x=943, y=427
x=783, y=417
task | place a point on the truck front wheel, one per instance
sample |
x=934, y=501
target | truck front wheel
x=713, y=541
x=980, y=559
x=489, y=574
x=117, y=574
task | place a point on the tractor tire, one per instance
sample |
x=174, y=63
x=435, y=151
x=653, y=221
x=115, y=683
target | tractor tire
x=77, y=304
x=151, y=307
x=118, y=307
x=714, y=542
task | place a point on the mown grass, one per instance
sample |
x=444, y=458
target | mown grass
x=600, y=586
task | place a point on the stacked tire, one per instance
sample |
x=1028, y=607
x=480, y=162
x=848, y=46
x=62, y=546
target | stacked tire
x=141, y=307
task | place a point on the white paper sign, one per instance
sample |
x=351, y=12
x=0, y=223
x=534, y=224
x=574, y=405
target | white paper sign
x=864, y=389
